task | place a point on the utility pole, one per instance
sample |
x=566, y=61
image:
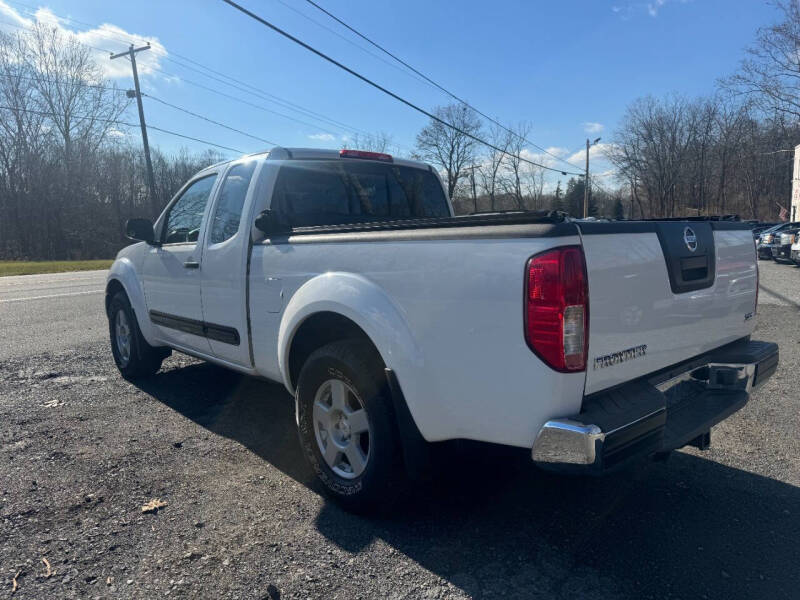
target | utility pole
x=586, y=182
x=151, y=182
x=632, y=192
x=474, y=195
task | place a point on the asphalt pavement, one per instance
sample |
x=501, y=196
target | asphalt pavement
x=51, y=313
x=81, y=451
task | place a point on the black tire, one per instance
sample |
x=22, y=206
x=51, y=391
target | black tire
x=357, y=365
x=141, y=359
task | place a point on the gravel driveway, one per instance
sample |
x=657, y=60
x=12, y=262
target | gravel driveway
x=81, y=451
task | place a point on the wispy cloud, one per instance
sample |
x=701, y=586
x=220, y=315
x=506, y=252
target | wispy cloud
x=322, y=137
x=598, y=151
x=549, y=158
x=104, y=40
x=591, y=127
x=653, y=7
x=629, y=9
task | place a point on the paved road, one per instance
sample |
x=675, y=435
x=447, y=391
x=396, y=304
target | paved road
x=82, y=450
x=51, y=313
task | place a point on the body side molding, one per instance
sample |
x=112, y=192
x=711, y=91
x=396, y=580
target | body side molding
x=218, y=333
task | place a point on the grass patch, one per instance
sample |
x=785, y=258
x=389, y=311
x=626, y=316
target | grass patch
x=34, y=267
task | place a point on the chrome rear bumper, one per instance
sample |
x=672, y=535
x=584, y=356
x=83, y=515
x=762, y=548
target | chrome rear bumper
x=670, y=409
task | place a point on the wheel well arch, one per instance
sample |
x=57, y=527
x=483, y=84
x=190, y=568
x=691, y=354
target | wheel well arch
x=317, y=330
x=112, y=288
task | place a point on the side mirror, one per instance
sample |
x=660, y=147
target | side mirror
x=271, y=222
x=140, y=229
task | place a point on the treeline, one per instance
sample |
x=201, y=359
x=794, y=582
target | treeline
x=706, y=156
x=68, y=180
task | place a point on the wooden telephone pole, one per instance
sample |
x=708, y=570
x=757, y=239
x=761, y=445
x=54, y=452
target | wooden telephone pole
x=586, y=181
x=474, y=195
x=151, y=182
x=586, y=184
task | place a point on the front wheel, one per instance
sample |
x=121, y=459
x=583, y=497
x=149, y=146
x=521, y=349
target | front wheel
x=346, y=425
x=134, y=357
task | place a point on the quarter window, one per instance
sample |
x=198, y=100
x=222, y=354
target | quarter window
x=186, y=215
x=228, y=212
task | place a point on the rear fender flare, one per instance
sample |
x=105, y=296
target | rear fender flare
x=367, y=305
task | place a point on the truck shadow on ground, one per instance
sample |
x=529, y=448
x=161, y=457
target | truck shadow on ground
x=494, y=526
x=780, y=297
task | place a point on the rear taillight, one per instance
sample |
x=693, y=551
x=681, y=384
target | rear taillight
x=557, y=308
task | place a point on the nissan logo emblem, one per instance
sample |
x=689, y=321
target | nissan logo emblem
x=690, y=238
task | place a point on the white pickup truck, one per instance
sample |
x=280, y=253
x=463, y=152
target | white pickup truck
x=345, y=276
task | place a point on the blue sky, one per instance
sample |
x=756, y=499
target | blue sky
x=569, y=67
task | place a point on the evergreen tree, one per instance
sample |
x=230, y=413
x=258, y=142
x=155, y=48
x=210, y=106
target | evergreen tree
x=558, y=201
x=573, y=199
x=619, y=209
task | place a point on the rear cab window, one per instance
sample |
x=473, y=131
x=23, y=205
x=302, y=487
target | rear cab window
x=327, y=192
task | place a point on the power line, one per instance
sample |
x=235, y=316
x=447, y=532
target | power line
x=199, y=85
x=67, y=82
x=239, y=131
x=194, y=139
x=260, y=95
x=330, y=122
x=31, y=11
x=433, y=83
x=115, y=89
x=253, y=90
x=351, y=42
x=117, y=122
x=28, y=28
x=242, y=101
x=381, y=88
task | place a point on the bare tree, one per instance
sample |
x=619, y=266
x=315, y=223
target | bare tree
x=770, y=75
x=533, y=185
x=372, y=142
x=491, y=165
x=447, y=148
x=83, y=105
x=518, y=171
x=66, y=184
x=704, y=156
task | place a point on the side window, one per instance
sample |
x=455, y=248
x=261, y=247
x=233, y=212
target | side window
x=228, y=211
x=186, y=215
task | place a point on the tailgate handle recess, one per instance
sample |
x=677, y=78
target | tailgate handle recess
x=694, y=268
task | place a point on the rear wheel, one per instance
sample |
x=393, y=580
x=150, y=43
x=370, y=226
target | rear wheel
x=134, y=357
x=346, y=425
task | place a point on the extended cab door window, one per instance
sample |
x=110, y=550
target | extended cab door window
x=228, y=211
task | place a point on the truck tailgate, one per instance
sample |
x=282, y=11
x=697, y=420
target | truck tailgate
x=664, y=291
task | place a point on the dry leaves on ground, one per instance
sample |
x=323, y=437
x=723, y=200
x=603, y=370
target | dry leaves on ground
x=153, y=506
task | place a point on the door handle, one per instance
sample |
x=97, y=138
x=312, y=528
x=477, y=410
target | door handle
x=190, y=264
